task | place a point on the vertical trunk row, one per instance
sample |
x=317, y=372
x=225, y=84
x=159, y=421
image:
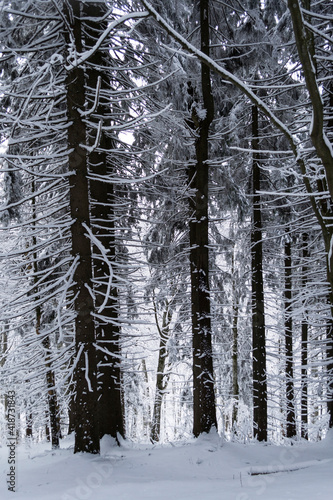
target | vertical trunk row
x=323, y=148
x=86, y=423
x=258, y=316
x=53, y=409
x=290, y=404
x=110, y=412
x=204, y=413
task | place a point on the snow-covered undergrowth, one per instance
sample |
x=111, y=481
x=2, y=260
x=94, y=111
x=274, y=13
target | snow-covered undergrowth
x=206, y=468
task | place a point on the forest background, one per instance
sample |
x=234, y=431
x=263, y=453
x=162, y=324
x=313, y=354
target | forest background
x=166, y=237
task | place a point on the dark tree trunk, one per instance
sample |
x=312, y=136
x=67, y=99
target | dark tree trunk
x=28, y=425
x=204, y=413
x=258, y=314
x=47, y=427
x=329, y=267
x=235, y=311
x=161, y=377
x=71, y=414
x=52, y=399
x=85, y=375
x=304, y=349
x=319, y=126
x=110, y=411
x=290, y=396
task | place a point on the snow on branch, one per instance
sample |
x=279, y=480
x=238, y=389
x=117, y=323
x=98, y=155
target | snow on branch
x=97, y=177
x=217, y=68
x=109, y=353
x=90, y=149
x=96, y=101
x=103, y=251
x=225, y=74
x=89, y=53
x=68, y=280
x=87, y=372
x=147, y=117
x=253, y=97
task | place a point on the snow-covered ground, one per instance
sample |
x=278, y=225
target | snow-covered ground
x=205, y=469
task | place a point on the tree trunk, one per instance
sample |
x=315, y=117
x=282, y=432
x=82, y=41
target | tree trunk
x=323, y=148
x=235, y=310
x=204, y=413
x=28, y=425
x=110, y=411
x=290, y=397
x=85, y=375
x=306, y=52
x=52, y=398
x=161, y=376
x=304, y=349
x=71, y=414
x=258, y=310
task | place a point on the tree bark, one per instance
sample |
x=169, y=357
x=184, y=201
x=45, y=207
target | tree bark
x=235, y=311
x=161, y=376
x=304, y=349
x=290, y=396
x=110, y=411
x=28, y=425
x=258, y=308
x=305, y=53
x=85, y=375
x=204, y=413
x=323, y=149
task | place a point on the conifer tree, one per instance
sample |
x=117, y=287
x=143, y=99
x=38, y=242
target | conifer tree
x=204, y=413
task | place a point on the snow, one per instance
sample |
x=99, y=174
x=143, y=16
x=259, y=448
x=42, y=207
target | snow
x=220, y=70
x=206, y=468
x=72, y=59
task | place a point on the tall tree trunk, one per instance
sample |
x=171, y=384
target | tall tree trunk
x=86, y=421
x=321, y=141
x=52, y=397
x=110, y=411
x=329, y=266
x=28, y=425
x=290, y=396
x=304, y=349
x=258, y=310
x=146, y=413
x=71, y=414
x=204, y=412
x=235, y=311
x=161, y=376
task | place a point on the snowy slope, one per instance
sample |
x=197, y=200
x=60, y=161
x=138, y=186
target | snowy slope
x=205, y=469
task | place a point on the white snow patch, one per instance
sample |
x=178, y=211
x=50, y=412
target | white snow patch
x=205, y=468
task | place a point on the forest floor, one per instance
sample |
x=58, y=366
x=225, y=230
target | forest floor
x=207, y=468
